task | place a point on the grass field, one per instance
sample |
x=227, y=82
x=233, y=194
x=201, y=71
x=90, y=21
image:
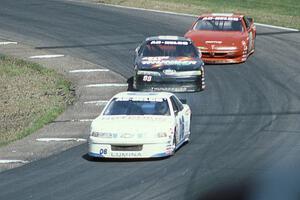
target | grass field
x=277, y=12
x=31, y=96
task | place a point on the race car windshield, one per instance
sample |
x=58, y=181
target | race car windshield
x=129, y=107
x=219, y=24
x=169, y=48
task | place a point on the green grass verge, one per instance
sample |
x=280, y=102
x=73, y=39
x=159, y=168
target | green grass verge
x=276, y=12
x=31, y=96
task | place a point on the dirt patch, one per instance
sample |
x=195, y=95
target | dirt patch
x=31, y=96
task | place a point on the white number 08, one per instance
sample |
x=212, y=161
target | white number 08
x=147, y=78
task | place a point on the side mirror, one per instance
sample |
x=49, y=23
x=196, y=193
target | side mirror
x=176, y=112
x=137, y=50
x=200, y=53
x=250, y=19
x=183, y=101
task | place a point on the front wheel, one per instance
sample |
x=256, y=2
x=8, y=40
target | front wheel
x=174, y=141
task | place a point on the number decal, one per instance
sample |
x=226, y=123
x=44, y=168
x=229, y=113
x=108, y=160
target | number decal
x=103, y=151
x=147, y=78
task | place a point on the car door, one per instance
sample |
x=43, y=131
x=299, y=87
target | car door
x=179, y=118
x=186, y=115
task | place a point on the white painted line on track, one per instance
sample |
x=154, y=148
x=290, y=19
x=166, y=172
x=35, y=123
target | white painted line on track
x=47, y=56
x=88, y=70
x=150, y=10
x=6, y=43
x=189, y=15
x=61, y=140
x=84, y=120
x=276, y=27
x=98, y=103
x=13, y=161
x=107, y=85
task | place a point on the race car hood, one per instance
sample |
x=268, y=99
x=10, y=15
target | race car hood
x=133, y=124
x=217, y=38
x=166, y=62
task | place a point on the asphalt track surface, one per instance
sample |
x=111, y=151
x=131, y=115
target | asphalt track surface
x=245, y=122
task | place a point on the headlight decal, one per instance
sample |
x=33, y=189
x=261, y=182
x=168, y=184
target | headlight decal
x=162, y=134
x=101, y=134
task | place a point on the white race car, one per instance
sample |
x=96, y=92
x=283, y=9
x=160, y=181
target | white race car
x=140, y=125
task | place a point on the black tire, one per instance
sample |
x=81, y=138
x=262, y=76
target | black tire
x=191, y=117
x=174, y=142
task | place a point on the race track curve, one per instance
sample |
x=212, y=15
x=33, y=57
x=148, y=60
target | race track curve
x=246, y=121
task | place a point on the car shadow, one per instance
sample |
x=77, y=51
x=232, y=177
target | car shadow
x=223, y=64
x=236, y=191
x=94, y=159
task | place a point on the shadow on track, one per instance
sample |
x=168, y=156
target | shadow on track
x=238, y=191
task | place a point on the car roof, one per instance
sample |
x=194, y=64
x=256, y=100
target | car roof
x=159, y=95
x=167, y=37
x=222, y=15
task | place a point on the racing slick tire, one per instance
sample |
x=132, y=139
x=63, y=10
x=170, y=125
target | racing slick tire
x=174, y=141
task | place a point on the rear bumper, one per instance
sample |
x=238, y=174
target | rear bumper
x=170, y=84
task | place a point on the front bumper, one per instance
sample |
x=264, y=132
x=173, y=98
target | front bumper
x=170, y=83
x=224, y=56
x=147, y=151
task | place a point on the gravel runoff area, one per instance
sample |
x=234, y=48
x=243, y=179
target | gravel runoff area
x=30, y=84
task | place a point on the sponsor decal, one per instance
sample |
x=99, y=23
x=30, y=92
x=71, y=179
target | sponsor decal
x=182, y=89
x=223, y=18
x=167, y=42
x=126, y=154
x=213, y=42
x=156, y=58
x=133, y=117
x=127, y=135
x=165, y=61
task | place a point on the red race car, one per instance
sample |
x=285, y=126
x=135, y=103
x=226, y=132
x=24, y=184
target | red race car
x=223, y=38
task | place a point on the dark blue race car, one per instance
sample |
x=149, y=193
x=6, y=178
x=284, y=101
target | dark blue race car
x=168, y=63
